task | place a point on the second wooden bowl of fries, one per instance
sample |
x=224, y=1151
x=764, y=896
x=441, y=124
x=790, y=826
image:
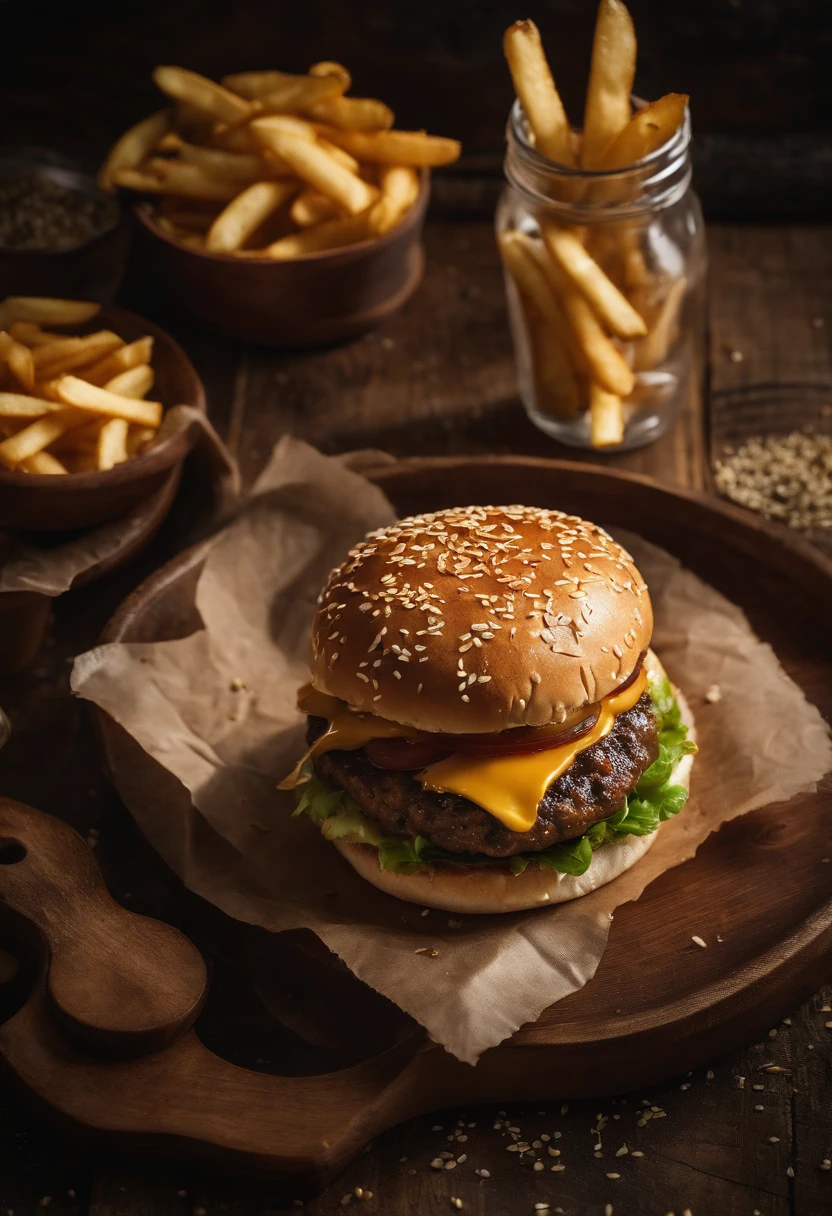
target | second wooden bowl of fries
x=80, y=440
x=278, y=209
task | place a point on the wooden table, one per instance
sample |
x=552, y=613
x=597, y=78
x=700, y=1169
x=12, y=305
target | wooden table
x=750, y=1134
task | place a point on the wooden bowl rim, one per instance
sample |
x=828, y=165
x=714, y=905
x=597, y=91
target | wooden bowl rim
x=146, y=462
x=143, y=213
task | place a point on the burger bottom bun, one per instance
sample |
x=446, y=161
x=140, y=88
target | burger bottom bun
x=490, y=889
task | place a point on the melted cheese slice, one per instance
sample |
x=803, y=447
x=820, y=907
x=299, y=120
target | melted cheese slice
x=510, y=787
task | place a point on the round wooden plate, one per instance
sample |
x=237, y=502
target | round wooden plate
x=657, y=1006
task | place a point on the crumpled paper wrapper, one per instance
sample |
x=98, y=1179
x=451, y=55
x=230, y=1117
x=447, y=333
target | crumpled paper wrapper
x=217, y=710
x=52, y=569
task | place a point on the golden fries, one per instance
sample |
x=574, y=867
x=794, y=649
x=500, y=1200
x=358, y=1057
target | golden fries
x=606, y=417
x=611, y=305
x=41, y=310
x=653, y=349
x=647, y=131
x=317, y=167
x=611, y=76
x=535, y=87
x=18, y=359
x=131, y=149
x=237, y=223
x=222, y=144
x=56, y=425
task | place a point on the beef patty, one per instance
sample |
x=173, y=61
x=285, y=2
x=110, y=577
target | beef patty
x=592, y=788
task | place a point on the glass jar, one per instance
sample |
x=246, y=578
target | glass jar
x=605, y=277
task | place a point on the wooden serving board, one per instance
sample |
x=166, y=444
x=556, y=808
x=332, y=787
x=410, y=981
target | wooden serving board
x=107, y=1041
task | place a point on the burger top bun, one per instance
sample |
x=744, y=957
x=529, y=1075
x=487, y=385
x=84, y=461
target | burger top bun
x=481, y=618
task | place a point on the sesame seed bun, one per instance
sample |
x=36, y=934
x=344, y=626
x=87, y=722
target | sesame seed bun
x=481, y=618
x=490, y=889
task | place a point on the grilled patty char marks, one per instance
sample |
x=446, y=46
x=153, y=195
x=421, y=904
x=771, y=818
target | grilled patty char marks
x=592, y=788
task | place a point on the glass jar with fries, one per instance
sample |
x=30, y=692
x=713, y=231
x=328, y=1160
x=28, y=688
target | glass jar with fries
x=602, y=241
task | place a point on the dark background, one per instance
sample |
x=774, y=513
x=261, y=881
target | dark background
x=759, y=73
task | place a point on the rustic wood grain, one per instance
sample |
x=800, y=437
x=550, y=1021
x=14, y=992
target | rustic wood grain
x=711, y=1153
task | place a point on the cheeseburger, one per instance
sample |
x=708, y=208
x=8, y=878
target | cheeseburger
x=488, y=729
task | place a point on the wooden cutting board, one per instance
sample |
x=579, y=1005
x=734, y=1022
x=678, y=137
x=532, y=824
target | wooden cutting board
x=106, y=1039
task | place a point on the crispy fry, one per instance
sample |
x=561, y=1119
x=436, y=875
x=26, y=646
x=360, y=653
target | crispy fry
x=310, y=207
x=283, y=91
x=536, y=89
x=602, y=360
x=395, y=147
x=43, y=462
x=238, y=166
x=69, y=353
x=288, y=124
x=42, y=310
x=352, y=113
x=340, y=155
x=399, y=191
x=612, y=307
x=329, y=67
x=316, y=167
x=203, y=94
x=130, y=150
x=132, y=354
x=32, y=335
x=328, y=235
x=135, y=382
x=646, y=132
x=244, y=215
x=37, y=436
x=192, y=181
x=606, y=417
x=18, y=359
x=18, y=406
x=653, y=349
x=112, y=443
x=608, y=107
x=77, y=392
x=139, y=437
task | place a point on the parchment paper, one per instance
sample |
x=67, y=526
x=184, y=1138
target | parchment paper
x=52, y=569
x=216, y=709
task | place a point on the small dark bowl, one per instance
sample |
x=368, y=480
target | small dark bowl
x=308, y=301
x=38, y=502
x=92, y=270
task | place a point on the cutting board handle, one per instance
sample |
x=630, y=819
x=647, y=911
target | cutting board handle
x=118, y=984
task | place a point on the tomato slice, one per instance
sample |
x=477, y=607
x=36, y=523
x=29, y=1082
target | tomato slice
x=404, y=753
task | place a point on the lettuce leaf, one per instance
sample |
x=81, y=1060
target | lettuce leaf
x=654, y=801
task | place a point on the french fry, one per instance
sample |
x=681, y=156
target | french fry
x=329, y=67
x=244, y=215
x=352, y=113
x=612, y=71
x=69, y=353
x=394, y=147
x=310, y=208
x=73, y=391
x=130, y=150
x=191, y=181
x=43, y=462
x=18, y=359
x=81, y=438
x=340, y=155
x=399, y=191
x=329, y=235
x=611, y=305
x=37, y=436
x=289, y=124
x=132, y=354
x=171, y=141
x=606, y=417
x=239, y=166
x=135, y=382
x=538, y=95
x=32, y=335
x=19, y=406
x=646, y=132
x=203, y=94
x=42, y=310
x=283, y=91
x=139, y=437
x=653, y=349
x=603, y=362
x=112, y=443
x=316, y=167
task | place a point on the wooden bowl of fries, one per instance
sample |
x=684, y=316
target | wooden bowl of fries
x=75, y=452
x=278, y=209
